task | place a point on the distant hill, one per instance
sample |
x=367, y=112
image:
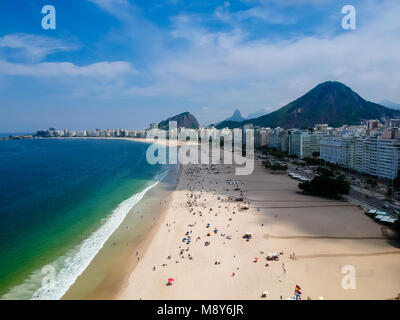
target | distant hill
x=184, y=120
x=256, y=114
x=236, y=117
x=390, y=104
x=330, y=102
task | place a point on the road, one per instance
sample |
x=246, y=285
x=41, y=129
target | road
x=359, y=197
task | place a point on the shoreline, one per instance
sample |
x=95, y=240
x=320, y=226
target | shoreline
x=74, y=262
x=107, y=272
x=326, y=235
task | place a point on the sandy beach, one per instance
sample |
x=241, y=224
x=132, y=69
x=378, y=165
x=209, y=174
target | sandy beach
x=323, y=235
x=109, y=271
x=315, y=238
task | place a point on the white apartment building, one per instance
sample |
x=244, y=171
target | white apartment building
x=304, y=143
x=373, y=155
x=340, y=150
x=331, y=149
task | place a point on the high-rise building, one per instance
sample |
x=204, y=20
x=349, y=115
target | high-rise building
x=303, y=143
x=375, y=156
x=372, y=124
x=260, y=137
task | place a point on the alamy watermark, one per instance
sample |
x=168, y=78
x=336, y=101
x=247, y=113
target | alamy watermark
x=349, y=280
x=49, y=20
x=349, y=21
x=49, y=279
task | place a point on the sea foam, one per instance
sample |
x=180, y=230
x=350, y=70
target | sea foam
x=70, y=266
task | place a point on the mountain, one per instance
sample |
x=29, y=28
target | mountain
x=330, y=102
x=256, y=114
x=237, y=116
x=184, y=120
x=390, y=104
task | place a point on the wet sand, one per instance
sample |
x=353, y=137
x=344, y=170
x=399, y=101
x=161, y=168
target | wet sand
x=107, y=274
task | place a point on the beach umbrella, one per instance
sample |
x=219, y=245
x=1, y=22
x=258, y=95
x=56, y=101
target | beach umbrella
x=170, y=280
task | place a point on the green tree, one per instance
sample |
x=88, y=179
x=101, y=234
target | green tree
x=325, y=186
x=396, y=227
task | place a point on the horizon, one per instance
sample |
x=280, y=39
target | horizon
x=384, y=103
x=126, y=64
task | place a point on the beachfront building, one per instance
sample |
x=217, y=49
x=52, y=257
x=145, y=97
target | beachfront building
x=304, y=143
x=378, y=157
x=284, y=141
x=275, y=138
x=153, y=125
x=374, y=156
x=260, y=137
x=246, y=127
x=331, y=149
x=339, y=150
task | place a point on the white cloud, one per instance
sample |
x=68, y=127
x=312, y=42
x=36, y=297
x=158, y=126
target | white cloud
x=102, y=70
x=260, y=12
x=29, y=53
x=109, y=5
x=228, y=68
x=33, y=47
x=222, y=69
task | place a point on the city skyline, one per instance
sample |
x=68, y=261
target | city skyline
x=108, y=61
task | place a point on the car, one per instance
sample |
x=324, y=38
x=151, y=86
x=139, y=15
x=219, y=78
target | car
x=386, y=205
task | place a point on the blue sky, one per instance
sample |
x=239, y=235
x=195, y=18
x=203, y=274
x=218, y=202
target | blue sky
x=124, y=64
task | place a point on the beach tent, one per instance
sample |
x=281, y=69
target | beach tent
x=388, y=220
x=272, y=256
x=392, y=220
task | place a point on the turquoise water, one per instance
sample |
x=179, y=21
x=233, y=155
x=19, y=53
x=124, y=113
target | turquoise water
x=59, y=202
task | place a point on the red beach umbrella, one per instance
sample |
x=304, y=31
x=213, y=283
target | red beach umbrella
x=171, y=280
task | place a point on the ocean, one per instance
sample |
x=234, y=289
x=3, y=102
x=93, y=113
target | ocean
x=60, y=200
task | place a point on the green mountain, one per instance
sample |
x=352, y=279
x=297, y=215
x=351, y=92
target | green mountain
x=184, y=120
x=329, y=102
